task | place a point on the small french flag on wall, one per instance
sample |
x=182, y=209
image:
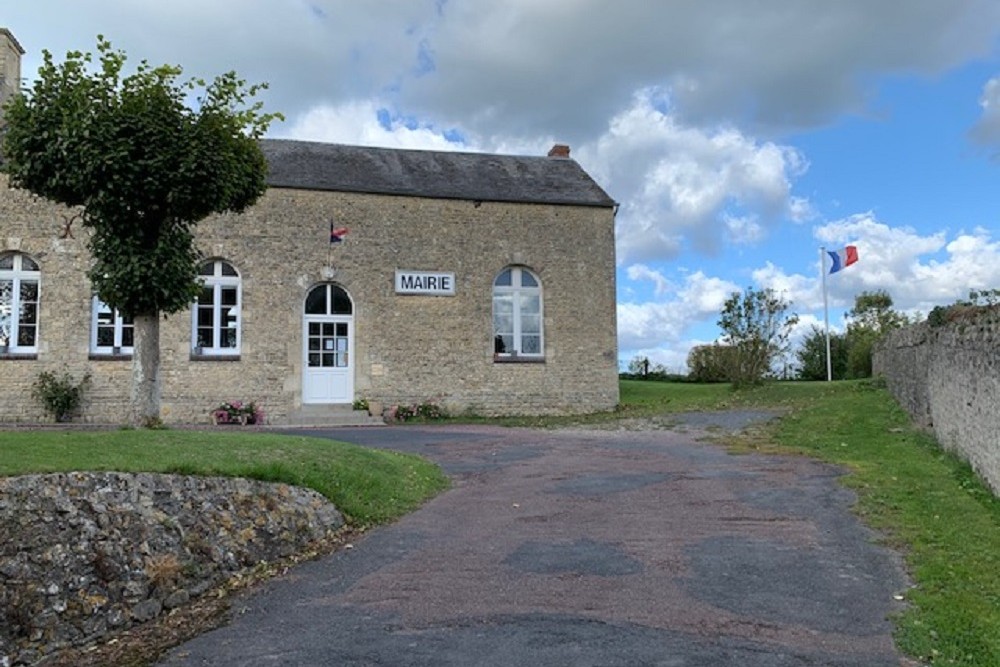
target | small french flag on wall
x=337, y=234
x=841, y=259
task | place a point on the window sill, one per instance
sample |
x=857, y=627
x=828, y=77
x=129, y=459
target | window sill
x=517, y=359
x=109, y=356
x=214, y=357
x=18, y=356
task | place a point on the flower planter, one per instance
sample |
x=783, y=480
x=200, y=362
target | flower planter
x=226, y=420
x=237, y=413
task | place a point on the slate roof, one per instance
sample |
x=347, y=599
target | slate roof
x=438, y=174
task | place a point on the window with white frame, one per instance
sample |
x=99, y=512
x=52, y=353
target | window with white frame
x=517, y=314
x=20, y=279
x=216, y=322
x=110, y=332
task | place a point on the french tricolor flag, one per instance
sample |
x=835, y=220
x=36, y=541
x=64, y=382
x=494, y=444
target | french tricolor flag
x=337, y=234
x=841, y=259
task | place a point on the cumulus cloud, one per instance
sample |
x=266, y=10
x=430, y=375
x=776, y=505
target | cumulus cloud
x=987, y=129
x=365, y=123
x=528, y=68
x=918, y=270
x=665, y=325
x=639, y=272
x=565, y=63
x=802, y=292
x=684, y=185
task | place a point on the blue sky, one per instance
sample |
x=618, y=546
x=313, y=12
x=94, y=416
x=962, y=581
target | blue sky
x=738, y=137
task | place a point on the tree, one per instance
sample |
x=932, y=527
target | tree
x=710, y=363
x=871, y=318
x=755, y=324
x=811, y=355
x=145, y=163
x=639, y=366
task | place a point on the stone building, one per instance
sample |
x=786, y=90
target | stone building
x=482, y=283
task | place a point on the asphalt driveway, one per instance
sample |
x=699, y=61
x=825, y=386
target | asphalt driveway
x=585, y=548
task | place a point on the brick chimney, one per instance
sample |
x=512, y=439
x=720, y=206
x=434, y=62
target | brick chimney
x=559, y=150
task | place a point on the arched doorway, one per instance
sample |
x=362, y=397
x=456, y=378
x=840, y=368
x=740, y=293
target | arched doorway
x=328, y=335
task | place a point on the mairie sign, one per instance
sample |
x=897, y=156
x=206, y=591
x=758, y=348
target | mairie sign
x=425, y=282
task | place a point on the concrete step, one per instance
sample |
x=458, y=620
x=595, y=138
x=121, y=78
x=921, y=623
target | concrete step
x=332, y=415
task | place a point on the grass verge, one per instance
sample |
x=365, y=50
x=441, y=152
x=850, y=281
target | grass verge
x=929, y=504
x=369, y=486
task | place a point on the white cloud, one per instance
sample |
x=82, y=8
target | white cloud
x=743, y=230
x=665, y=325
x=919, y=271
x=563, y=63
x=684, y=185
x=639, y=272
x=802, y=292
x=528, y=68
x=987, y=129
x=356, y=122
x=705, y=295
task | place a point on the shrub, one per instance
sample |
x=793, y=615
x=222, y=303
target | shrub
x=60, y=395
x=711, y=363
x=428, y=411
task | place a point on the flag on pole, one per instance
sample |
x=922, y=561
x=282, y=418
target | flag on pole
x=841, y=259
x=337, y=234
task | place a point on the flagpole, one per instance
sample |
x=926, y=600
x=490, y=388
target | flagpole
x=826, y=313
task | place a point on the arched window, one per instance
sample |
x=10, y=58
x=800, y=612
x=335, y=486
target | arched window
x=216, y=322
x=517, y=314
x=328, y=299
x=110, y=331
x=19, y=299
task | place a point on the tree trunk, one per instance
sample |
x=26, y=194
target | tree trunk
x=145, y=399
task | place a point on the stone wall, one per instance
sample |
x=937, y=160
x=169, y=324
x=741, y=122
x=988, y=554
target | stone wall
x=406, y=348
x=948, y=378
x=86, y=555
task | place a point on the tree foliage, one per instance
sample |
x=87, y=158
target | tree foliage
x=639, y=365
x=711, y=363
x=143, y=160
x=756, y=325
x=811, y=355
x=871, y=318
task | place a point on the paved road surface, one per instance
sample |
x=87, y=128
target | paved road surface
x=585, y=548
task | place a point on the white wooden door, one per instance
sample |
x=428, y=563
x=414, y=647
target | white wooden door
x=328, y=355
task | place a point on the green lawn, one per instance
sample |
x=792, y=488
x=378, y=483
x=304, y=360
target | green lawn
x=641, y=398
x=369, y=486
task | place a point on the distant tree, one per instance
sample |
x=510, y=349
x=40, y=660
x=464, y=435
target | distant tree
x=710, y=363
x=871, y=318
x=145, y=163
x=639, y=365
x=641, y=368
x=756, y=324
x=811, y=355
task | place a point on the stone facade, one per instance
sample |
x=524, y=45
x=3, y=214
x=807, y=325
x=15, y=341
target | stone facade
x=404, y=348
x=10, y=66
x=948, y=379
